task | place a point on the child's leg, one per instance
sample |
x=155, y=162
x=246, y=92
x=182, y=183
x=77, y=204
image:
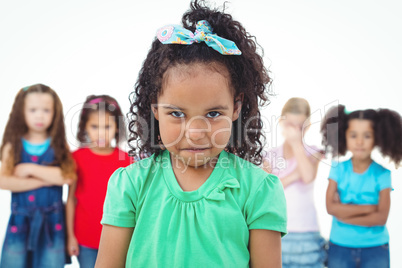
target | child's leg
x=87, y=257
x=343, y=257
x=375, y=257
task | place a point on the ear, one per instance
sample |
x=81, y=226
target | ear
x=237, y=106
x=154, y=108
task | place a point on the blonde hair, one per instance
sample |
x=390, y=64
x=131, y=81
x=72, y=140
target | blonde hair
x=297, y=106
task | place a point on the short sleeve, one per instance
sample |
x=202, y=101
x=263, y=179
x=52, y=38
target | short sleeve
x=334, y=172
x=119, y=207
x=384, y=180
x=266, y=209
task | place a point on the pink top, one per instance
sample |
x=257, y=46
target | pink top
x=302, y=216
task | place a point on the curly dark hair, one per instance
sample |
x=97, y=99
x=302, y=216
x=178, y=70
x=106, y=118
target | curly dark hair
x=96, y=103
x=248, y=77
x=387, y=126
x=16, y=129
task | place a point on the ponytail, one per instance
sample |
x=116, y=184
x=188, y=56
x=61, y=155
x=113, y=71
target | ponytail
x=333, y=130
x=388, y=134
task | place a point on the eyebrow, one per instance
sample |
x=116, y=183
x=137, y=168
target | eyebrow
x=173, y=107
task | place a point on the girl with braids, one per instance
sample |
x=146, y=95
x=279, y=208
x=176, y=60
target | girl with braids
x=100, y=124
x=358, y=194
x=200, y=200
x=36, y=162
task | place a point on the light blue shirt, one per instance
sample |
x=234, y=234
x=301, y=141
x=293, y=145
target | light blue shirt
x=36, y=149
x=359, y=189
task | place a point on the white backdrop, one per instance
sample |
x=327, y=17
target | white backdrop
x=325, y=51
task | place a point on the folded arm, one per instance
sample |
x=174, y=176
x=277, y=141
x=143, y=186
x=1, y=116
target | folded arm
x=13, y=182
x=344, y=211
x=49, y=174
x=376, y=218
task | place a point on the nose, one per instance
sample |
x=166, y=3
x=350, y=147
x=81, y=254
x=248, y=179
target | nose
x=359, y=141
x=197, y=129
x=195, y=134
x=102, y=133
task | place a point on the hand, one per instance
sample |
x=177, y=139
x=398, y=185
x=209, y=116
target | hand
x=72, y=246
x=23, y=169
x=67, y=181
x=292, y=134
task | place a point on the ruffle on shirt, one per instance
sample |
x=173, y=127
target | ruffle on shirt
x=218, y=194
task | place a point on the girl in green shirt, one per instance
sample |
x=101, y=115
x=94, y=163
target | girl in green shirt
x=200, y=199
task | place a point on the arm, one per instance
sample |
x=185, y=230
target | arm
x=113, y=246
x=265, y=249
x=72, y=244
x=15, y=183
x=49, y=174
x=376, y=218
x=289, y=179
x=307, y=166
x=342, y=211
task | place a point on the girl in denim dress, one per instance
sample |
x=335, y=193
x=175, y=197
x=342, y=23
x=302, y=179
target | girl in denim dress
x=36, y=162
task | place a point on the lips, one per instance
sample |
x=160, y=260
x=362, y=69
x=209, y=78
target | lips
x=195, y=149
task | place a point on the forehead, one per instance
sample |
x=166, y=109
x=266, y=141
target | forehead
x=100, y=117
x=295, y=118
x=39, y=99
x=196, y=83
x=360, y=125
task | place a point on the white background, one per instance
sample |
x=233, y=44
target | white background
x=325, y=51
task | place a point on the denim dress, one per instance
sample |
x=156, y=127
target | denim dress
x=35, y=234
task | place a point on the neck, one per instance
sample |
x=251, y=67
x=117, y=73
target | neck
x=35, y=137
x=102, y=150
x=190, y=178
x=360, y=165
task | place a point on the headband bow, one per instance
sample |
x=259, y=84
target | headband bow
x=176, y=34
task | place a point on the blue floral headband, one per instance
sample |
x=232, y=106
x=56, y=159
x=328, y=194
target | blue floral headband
x=176, y=34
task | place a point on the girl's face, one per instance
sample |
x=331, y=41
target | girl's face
x=101, y=129
x=195, y=111
x=360, y=138
x=292, y=122
x=38, y=112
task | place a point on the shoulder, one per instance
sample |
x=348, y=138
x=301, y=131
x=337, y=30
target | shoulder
x=139, y=172
x=379, y=170
x=312, y=150
x=80, y=152
x=250, y=176
x=341, y=165
x=123, y=157
x=269, y=153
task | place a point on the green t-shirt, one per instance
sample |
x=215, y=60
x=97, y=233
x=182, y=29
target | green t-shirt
x=208, y=227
